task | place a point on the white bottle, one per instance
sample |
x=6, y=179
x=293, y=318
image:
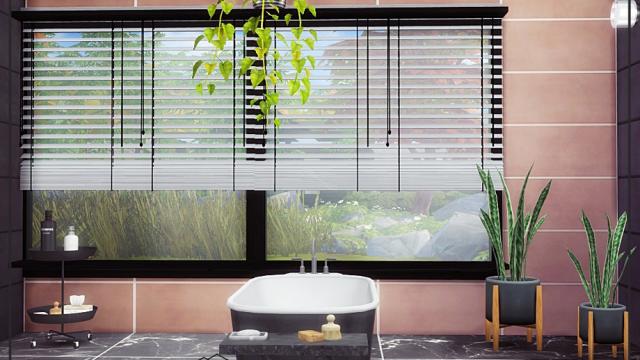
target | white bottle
x=71, y=240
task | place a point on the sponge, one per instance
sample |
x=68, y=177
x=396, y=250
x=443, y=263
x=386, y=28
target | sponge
x=310, y=336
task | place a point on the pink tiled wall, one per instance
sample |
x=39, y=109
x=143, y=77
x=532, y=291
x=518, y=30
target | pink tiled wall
x=559, y=112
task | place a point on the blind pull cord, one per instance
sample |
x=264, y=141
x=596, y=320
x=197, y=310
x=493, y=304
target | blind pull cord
x=233, y=134
x=388, y=80
x=141, y=82
x=113, y=84
x=122, y=84
x=482, y=92
x=153, y=101
x=357, y=106
x=398, y=94
x=368, y=83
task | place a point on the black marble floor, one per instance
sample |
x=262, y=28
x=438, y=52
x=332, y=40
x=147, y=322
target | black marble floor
x=145, y=346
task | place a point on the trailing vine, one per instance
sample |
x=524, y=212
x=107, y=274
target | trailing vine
x=256, y=66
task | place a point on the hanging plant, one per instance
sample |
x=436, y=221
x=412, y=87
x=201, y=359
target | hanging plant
x=255, y=66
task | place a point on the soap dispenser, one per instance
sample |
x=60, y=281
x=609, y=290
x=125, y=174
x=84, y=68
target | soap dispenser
x=330, y=330
x=71, y=240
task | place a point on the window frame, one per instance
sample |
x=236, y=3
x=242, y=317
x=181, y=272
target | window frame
x=256, y=262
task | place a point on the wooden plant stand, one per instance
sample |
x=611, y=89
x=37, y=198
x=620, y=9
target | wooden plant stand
x=492, y=328
x=591, y=343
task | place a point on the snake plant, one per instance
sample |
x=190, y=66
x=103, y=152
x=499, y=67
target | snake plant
x=521, y=225
x=601, y=286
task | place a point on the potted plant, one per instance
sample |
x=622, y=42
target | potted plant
x=605, y=325
x=511, y=297
x=260, y=64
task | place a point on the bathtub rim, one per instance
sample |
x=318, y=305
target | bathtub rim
x=372, y=305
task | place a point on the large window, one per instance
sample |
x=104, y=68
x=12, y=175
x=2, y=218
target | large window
x=378, y=168
x=146, y=225
x=374, y=226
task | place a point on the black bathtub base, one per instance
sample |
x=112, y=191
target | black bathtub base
x=360, y=322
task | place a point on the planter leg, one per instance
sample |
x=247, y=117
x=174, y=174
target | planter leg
x=487, y=330
x=578, y=337
x=529, y=335
x=626, y=336
x=539, y=317
x=614, y=351
x=590, y=336
x=495, y=317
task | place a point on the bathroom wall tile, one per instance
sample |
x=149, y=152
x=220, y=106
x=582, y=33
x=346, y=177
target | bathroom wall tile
x=16, y=205
x=5, y=206
x=4, y=40
x=557, y=9
x=623, y=195
x=634, y=205
x=14, y=151
x=568, y=196
x=633, y=306
x=79, y=3
x=429, y=308
x=16, y=255
x=560, y=150
x=191, y=306
x=623, y=46
x=114, y=301
x=623, y=149
x=5, y=148
x=561, y=308
x=15, y=89
x=559, y=98
x=5, y=75
x=630, y=276
x=15, y=51
x=634, y=153
x=548, y=259
x=622, y=88
x=635, y=91
x=558, y=45
x=4, y=259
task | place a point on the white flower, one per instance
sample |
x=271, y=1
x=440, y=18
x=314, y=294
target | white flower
x=340, y=202
x=416, y=218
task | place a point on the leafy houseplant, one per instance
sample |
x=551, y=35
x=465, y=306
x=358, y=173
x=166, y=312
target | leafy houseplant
x=521, y=226
x=602, y=285
x=255, y=65
x=516, y=292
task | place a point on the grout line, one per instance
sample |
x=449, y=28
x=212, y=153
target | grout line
x=554, y=19
x=561, y=177
x=134, y=312
x=557, y=72
x=190, y=282
x=561, y=125
x=114, y=345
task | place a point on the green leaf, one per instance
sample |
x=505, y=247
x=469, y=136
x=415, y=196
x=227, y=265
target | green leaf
x=583, y=279
x=298, y=64
x=281, y=38
x=196, y=66
x=211, y=9
x=257, y=77
x=250, y=25
x=312, y=9
x=226, y=6
x=245, y=65
x=275, y=17
x=304, y=95
x=264, y=107
x=208, y=33
x=287, y=18
x=253, y=101
x=226, y=68
x=197, y=41
x=276, y=55
x=306, y=82
x=276, y=122
x=211, y=88
x=297, y=32
x=199, y=88
x=229, y=30
x=311, y=43
x=259, y=117
x=272, y=98
x=594, y=266
x=314, y=34
x=294, y=85
x=210, y=67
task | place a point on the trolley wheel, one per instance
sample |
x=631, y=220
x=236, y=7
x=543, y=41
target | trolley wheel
x=33, y=344
x=76, y=344
x=89, y=335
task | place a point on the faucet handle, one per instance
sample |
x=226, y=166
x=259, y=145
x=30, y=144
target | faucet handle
x=325, y=269
x=302, y=270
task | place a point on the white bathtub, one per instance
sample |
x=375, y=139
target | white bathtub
x=305, y=294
